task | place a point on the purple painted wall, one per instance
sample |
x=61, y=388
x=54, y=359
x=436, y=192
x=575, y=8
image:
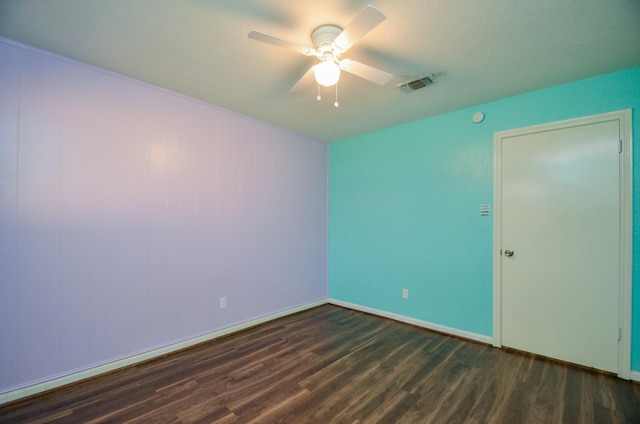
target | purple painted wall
x=126, y=212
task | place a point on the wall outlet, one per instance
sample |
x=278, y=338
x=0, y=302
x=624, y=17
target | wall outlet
x=223, y=302
x=405, y=293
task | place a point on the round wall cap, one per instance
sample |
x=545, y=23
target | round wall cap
x=477, y=117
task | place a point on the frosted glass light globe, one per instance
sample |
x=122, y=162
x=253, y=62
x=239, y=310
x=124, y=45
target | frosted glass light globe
x=327, y=73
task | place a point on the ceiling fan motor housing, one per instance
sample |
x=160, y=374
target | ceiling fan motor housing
x=323, y=38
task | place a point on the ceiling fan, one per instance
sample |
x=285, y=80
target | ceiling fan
x=329, y=43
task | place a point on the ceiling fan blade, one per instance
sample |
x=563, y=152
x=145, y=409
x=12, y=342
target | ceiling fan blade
x=306, y=80
x=367, y=20
x=280, y=42
x=365, y=71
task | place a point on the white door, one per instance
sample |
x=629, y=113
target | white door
x=560, y=221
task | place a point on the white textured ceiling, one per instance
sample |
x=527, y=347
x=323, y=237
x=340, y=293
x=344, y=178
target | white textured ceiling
x=479, y=50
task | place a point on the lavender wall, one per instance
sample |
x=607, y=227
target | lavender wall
x=126, y=212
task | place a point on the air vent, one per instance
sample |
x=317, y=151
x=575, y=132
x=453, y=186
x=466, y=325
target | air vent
x=416, y=84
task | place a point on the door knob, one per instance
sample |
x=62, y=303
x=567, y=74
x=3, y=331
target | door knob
x=508, y=253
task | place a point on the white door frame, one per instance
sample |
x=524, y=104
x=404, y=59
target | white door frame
x=626, y=213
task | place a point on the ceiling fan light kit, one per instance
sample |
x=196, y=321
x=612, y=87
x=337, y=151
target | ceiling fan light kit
x=329, y=42
x=327, y=72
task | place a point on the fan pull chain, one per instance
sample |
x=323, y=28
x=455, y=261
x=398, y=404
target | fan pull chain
x=318, y=97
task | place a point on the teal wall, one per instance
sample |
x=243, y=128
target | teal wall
x=404, y=205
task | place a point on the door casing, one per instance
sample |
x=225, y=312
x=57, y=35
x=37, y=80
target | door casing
x=626, y=213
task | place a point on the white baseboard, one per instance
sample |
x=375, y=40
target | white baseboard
x=417, y=322
x=84, y=374
x=635, y=376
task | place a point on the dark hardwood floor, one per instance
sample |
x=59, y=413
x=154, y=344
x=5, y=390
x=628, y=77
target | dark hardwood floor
x=331, y=364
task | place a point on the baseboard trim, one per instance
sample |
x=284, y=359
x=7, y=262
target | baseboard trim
x=635, y=376
x=76, y=377
x=417, y=322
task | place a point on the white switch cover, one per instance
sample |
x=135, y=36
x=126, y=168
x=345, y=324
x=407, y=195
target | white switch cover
x=405, y=293
x=223, y=302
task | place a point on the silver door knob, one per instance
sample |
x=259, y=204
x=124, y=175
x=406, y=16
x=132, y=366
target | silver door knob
x=508, y=253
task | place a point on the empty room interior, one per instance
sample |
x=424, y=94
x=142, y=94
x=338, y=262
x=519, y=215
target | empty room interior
x=298, y=211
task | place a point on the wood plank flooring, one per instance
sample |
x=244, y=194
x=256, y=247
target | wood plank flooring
x=334, y=365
